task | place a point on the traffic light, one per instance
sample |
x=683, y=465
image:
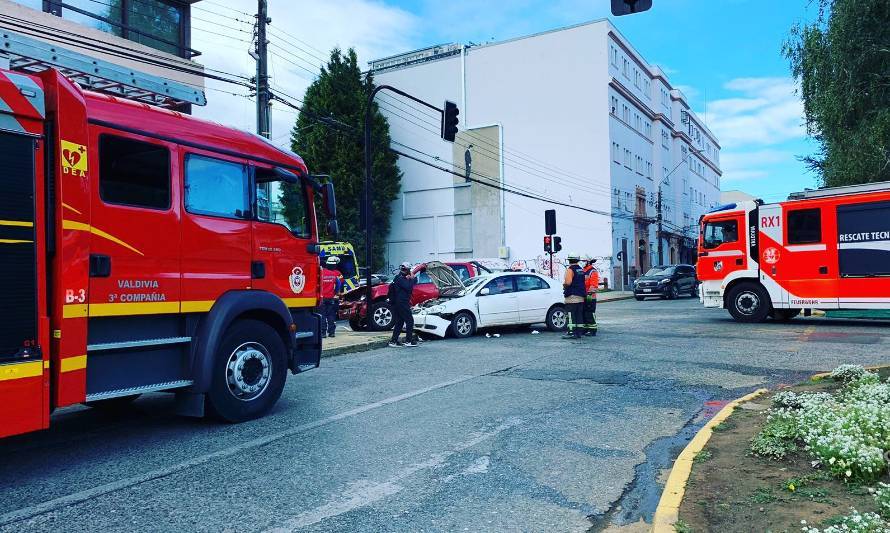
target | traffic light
x=629, y=7
x=557, y=244
x=450, y=121
x=548, y=244
x=550, y=221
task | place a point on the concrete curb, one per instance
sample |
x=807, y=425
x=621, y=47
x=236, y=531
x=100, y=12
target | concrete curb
x=667, y=512
x=617, y=299
x=355, y=348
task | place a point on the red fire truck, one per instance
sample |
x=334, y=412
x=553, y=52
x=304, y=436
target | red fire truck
x=141, y=252
x=822, y=249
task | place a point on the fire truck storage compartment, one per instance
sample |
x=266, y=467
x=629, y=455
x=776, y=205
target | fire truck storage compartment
x=864, y=239
x=18, y=259
x=141, y=353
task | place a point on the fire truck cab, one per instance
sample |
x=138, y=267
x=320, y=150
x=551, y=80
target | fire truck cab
x=822, y=249
x=140, y=251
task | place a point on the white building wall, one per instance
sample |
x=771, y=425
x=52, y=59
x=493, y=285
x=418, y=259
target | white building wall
x=552, y=94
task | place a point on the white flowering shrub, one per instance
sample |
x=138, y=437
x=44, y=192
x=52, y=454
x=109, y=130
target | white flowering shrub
x=882, y=498
x=847, y=432
x=855, y=522
x=847, y=373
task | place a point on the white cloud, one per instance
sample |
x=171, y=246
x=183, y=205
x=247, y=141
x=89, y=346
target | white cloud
x=302, y=35
x=749, y=165
x=765, y=112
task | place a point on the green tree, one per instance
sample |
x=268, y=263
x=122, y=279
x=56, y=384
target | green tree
x=328, y=137
x=842, y=61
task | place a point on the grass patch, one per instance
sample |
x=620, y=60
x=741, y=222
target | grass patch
x=702, y=456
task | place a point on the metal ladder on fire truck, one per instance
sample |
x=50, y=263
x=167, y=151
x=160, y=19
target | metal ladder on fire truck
x=29, y=55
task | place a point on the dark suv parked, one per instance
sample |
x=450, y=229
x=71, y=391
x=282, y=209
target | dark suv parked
x=668, y=281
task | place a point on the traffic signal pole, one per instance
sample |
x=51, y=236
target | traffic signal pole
x=448, y=129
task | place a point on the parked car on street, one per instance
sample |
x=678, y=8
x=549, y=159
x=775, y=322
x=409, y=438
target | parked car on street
x=497, y=299
x=468, y=269
x=433, y=280
x=667, y=282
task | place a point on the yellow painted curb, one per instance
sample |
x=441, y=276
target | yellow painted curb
x=822, y=375
x=666, y=514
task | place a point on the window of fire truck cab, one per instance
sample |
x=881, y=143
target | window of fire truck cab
x=719, y=232
x=281, y=202
x=216, y=187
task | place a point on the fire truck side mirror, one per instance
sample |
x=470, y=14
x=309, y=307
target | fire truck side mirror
x=330, y=200
x=333, y=228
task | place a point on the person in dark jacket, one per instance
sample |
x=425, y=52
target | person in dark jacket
x=403, y=285
x=575, y=293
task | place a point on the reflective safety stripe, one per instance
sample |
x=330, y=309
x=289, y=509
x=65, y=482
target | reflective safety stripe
x=70, y=364
x=126, y=309
x=158, y=308
x=197, y=306
x=17, y=223
x=299, y=302
x=21, y=370
x=74, y=311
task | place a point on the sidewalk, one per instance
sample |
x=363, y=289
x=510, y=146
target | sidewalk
x=348, y=341
x=613, y=296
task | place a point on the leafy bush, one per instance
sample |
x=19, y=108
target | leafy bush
x=777, y=438
x=846, y=373
x=882, y=497
x=855, y=522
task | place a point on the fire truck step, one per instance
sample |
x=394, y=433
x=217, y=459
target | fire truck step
x=137, y=344
x=105, y=395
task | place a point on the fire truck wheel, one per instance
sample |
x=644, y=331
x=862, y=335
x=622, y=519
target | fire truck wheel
x=748, y=302
x=380, y=317
x=248, y=373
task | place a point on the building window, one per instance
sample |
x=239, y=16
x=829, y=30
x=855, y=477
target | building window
x=613, y=55
x=665, y=176
x=160, y=24
x=625, y=112
x=624, y=68
x=627, y=159
x=616, y=153
x=133, y=173
x=614, y=103
x=216, y=187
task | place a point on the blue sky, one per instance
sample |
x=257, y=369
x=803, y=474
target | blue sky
x=725, y=55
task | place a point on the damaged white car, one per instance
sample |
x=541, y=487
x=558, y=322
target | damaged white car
x=499, y=299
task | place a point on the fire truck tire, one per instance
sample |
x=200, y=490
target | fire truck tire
x=248, y=372
x=748, y=302
x=380, y=316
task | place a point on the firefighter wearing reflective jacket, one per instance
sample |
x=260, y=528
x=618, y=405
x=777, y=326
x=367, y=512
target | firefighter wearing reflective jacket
x=591, y=282
x=331, y=285
x=575, y=292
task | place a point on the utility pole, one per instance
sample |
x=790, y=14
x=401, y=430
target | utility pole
x=263, y=95
x=658, y=229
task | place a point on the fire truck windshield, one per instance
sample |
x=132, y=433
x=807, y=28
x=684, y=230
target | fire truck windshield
x=720, y=232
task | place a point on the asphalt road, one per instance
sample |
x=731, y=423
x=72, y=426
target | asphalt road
x=518, y=433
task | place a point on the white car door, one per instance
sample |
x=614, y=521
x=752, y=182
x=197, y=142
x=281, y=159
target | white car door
x=534, y=298
x=498, y=305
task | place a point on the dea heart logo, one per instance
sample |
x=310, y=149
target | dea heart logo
x=297, y=280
